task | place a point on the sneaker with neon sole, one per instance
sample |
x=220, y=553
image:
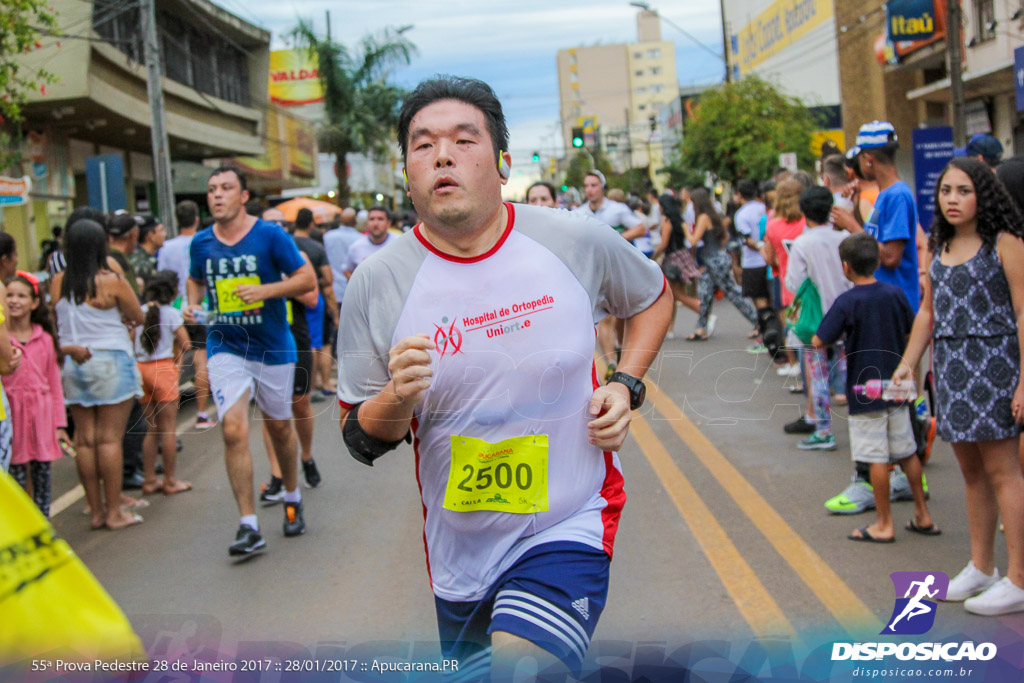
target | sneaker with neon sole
x=856, y=498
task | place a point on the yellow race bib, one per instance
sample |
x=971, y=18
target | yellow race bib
x=227, y=298
x=508, y=476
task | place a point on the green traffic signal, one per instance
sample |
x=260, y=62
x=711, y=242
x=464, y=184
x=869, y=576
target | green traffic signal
x=577, y=137
x=565, y=188
x=536, y=157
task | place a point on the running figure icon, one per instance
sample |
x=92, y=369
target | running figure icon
x=916, y=607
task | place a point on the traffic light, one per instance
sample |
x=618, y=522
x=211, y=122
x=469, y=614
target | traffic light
x=577, y=137
x=565, y=188
x=536, y=157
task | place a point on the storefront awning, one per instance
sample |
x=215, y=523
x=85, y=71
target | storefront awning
x=991, y=80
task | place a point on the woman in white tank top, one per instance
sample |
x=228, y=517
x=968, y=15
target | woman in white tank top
x=99, y=374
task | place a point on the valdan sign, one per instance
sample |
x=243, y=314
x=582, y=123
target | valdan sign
x=294, y=78
x=14, y=191
x=910, y=19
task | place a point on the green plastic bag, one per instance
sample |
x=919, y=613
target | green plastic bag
x=805, y=312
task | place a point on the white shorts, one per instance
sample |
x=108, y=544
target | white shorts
x=882, y=436
x=231, y=376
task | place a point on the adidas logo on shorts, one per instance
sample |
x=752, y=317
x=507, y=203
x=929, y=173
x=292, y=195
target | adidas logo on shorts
x=583, y=607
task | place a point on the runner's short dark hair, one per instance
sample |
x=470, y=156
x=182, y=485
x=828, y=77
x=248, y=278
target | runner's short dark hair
x=232, y=169
x=473, y=92
x=303, y=219
x=186, y=213
x=861, y=252
x=747, y=188
x=816, y=204
x=379, y=207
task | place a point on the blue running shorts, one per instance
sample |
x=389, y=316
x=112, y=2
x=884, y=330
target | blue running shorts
x=552, y=597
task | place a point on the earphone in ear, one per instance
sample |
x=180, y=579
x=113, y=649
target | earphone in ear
x=503, y=169
x=405, y=176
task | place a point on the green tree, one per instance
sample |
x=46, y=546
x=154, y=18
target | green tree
x=360, y=106
x=739, y=130
x=21, y=22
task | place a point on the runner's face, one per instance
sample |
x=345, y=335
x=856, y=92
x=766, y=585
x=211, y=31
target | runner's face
x=541, y=196
x=592, y=188
x=377, y=226
x=957, y=198
x=225, y=196
x=453, y=175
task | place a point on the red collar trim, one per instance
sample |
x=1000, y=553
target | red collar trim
x=470, y=259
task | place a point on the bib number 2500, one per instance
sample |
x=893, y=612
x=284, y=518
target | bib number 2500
x=508, y=476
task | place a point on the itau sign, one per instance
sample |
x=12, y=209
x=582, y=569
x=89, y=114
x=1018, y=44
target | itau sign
x=910, y=19
x=14, y=191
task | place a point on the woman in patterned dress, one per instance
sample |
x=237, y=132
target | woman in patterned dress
x=974, y=313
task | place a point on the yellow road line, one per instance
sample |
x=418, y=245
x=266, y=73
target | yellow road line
x=752, y=599
x=829, y=588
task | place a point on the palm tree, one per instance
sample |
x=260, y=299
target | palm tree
x=361, y=107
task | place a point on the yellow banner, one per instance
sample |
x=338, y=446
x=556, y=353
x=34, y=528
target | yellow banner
x=294, y=79
x=777, y=28
x=299, y=135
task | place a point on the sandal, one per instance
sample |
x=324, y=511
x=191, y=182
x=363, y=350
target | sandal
x=697, y=336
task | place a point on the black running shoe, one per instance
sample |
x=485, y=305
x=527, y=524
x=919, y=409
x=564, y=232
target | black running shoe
x=294, y=524
x=799, y=426
x=272, y=493
x=311, y=473
x=248, y=541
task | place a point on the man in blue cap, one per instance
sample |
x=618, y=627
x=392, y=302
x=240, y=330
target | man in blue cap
x=984, y=147
x=893, y=221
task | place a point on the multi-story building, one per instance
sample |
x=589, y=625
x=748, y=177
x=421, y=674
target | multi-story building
x=908, y=83
x=793, y=44
x=616, y=92
x=215, y=76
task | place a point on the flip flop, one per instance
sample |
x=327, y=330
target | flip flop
x=924, y=530
x=697, y=337
x=868, y=538
x=136, y=504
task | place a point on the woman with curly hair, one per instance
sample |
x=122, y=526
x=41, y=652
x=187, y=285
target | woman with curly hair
x=678, y=265
x=974, y=311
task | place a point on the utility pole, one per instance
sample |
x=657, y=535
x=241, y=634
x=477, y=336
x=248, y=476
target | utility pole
x=725, y=43
x=158, y=129
x=956, y=86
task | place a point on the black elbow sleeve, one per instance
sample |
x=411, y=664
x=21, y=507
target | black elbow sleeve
x=362, y=446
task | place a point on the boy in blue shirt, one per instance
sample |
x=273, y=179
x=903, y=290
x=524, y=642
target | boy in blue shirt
x=876, y=319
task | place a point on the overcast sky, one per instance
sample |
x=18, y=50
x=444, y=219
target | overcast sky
x=510, y=44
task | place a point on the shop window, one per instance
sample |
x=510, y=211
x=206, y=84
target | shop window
x=985, y=20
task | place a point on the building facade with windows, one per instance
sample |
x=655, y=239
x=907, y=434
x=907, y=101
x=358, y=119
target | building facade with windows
x=908, y=82
x=619, y=90
x=215, y=75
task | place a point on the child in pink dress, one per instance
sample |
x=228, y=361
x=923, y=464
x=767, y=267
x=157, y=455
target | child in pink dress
x=34, y=390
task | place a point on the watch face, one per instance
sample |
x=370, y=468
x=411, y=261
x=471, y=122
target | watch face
x=640, y=395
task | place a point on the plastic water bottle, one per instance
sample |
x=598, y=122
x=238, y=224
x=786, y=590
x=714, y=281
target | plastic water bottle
x=887, y=391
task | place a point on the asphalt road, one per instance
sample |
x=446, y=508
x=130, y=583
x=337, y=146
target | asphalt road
x=724, y=537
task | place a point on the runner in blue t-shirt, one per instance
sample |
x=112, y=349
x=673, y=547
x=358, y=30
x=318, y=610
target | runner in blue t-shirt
x=248, y=267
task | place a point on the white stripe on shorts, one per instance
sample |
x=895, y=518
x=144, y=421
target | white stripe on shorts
x=554, y=609
x=550, y=618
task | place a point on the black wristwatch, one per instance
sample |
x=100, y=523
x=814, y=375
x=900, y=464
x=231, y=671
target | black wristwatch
x=637, y=390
